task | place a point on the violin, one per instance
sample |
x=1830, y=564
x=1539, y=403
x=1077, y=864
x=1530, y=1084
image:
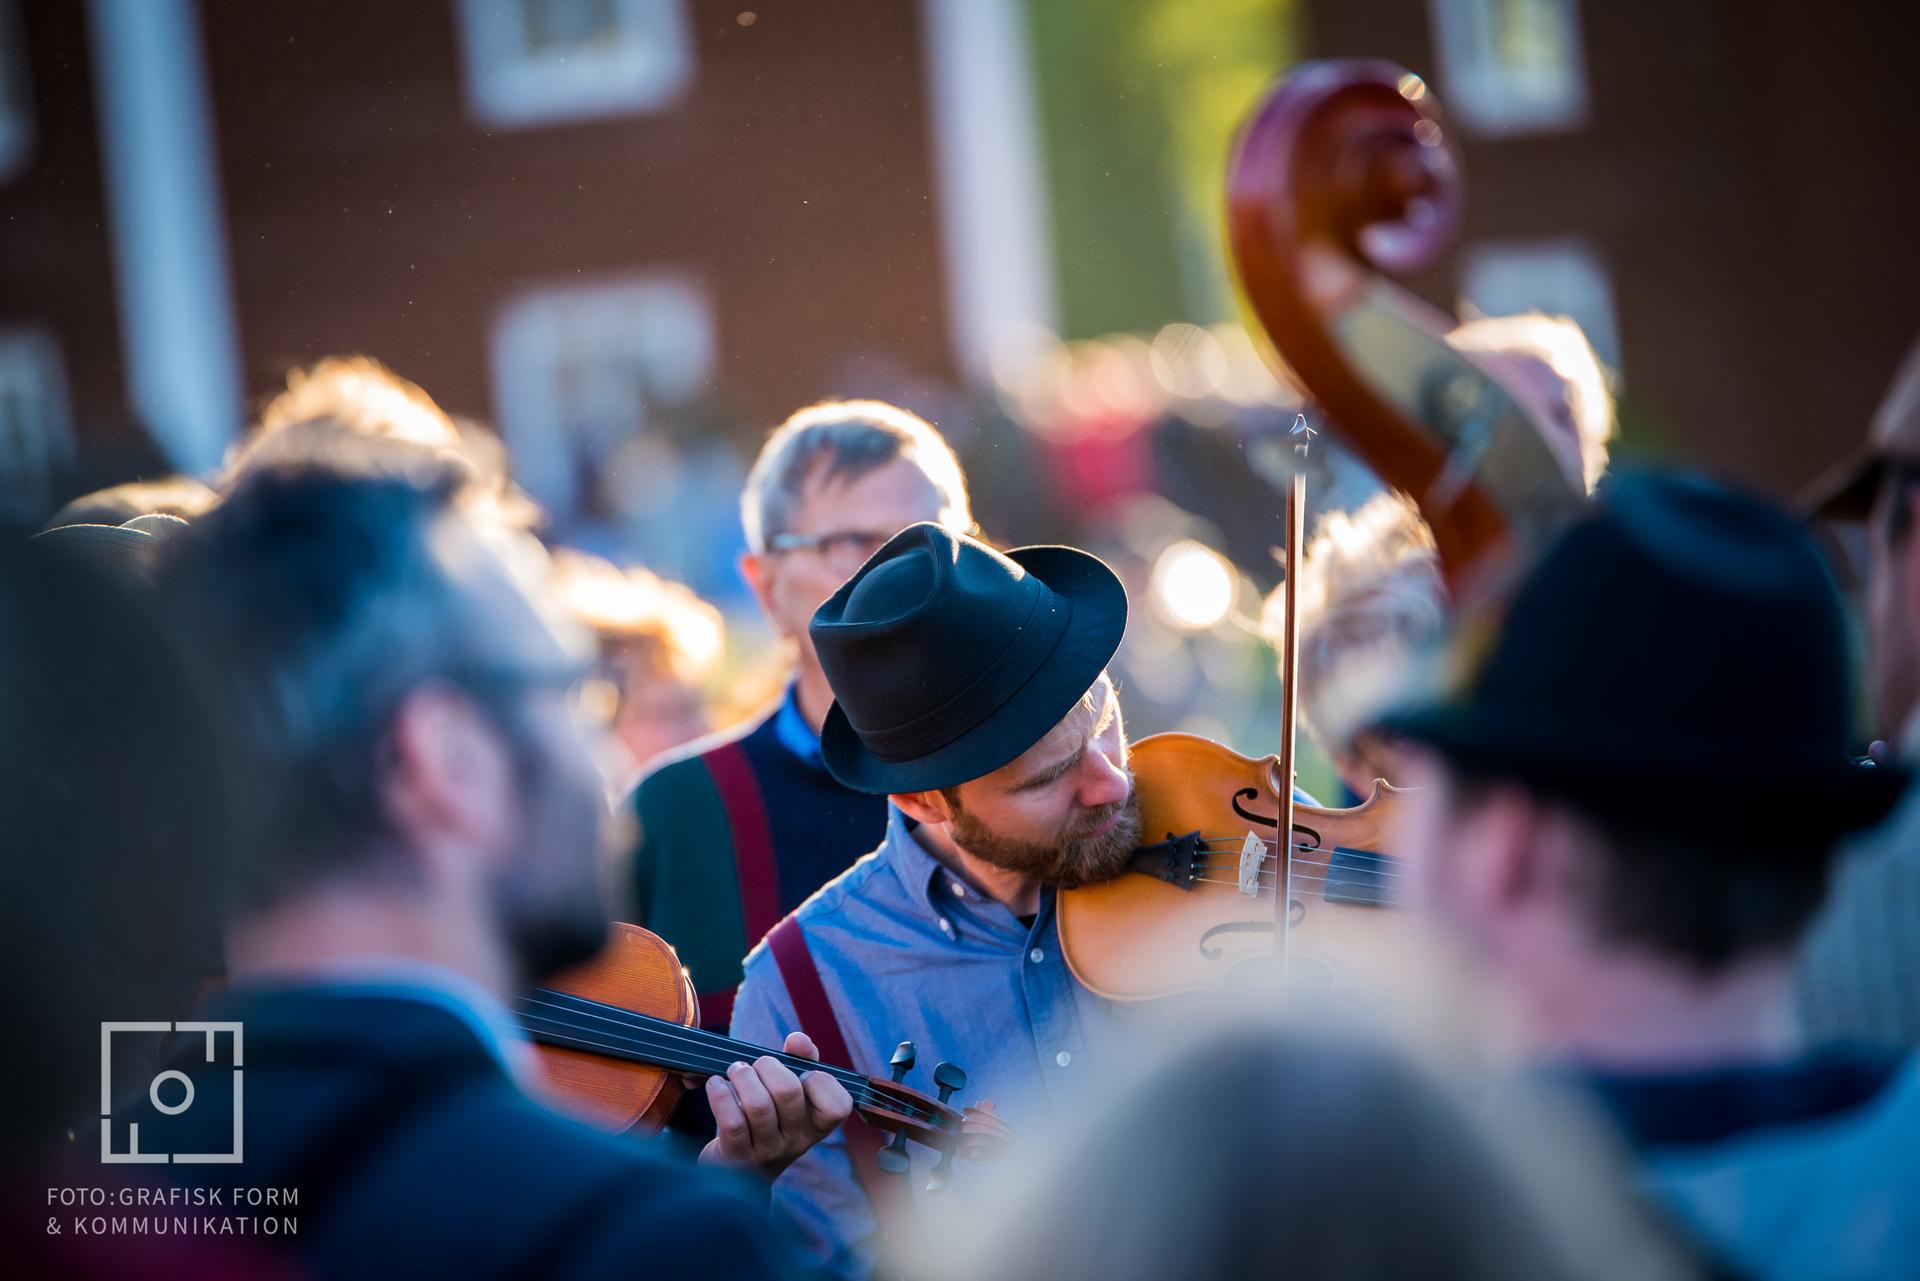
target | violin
x=1197, y=906
x=1343, y=178
x=619, y=1039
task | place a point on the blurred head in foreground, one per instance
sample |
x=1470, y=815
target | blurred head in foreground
x=1599, y=781
x=180, y=496
x=359, y=396
x=1252, y=1151
x=408, y=682
x=115, y=815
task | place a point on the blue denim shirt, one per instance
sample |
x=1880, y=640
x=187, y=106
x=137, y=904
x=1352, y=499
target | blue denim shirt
x=908, y=952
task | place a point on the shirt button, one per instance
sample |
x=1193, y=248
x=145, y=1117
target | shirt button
x=1062, y=1059
x=946, y=927
x=959, y=890
x=1036, y=956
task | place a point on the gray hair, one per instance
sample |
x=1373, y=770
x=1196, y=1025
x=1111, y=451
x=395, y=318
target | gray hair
x=1371, y=600
x=844, y=440
x=1560, y=344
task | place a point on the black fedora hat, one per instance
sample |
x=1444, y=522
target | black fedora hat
x=1677, y=658
x=948, y=659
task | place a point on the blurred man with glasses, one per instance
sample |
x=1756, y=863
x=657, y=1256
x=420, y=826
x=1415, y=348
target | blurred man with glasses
x=737, y=830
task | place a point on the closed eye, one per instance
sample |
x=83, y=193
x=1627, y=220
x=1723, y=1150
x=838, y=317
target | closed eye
x=1053, y=774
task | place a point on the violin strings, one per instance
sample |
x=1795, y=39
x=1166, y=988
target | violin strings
x=1311, y=865
x=1265, y=885
x=715, y=1049
x=1267, y=882
x=663, y=1033
x=670, y=1032
x=1315, y=872
x=710, y=1063
x=1341, y=850
x=566, y=1034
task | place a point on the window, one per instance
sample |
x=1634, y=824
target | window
x=1511, y=66
x=1558, y=277
x=579, y=369
x=16, y=97
x=36, y=434
x=539, y=62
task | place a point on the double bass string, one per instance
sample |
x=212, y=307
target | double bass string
x=695, y=1050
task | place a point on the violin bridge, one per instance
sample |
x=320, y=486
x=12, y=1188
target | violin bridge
x=1253, y=858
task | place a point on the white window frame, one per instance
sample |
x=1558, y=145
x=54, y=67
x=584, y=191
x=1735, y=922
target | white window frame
x=1489, y=96
x=16, y=94
x=1560, y=276
x=511, y=87
x=668, y=322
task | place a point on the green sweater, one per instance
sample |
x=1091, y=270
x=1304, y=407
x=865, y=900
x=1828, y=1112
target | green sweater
x=735, y=831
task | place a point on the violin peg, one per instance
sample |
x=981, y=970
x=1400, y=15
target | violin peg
x=902, y=1061
x=893, y=1158
x=942, y=1174
x=949, y=1078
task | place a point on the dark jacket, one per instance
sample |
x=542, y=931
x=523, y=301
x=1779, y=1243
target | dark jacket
x=414, y=1153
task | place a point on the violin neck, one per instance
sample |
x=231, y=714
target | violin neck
x=566, y=1021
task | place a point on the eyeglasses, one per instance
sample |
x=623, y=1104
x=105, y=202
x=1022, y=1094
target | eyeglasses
x=847, y=547
x=841, y=546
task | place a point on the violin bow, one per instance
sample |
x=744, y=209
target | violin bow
x=1296, y=518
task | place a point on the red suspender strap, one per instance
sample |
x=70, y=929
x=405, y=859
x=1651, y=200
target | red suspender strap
x=810, y=1006
x=733, y=779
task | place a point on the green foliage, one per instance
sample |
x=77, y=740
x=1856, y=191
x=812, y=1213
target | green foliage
x=1139, y=100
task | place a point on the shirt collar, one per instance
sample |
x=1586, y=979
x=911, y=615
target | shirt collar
x=918, y=870
x=933, y=886
x=793, y=732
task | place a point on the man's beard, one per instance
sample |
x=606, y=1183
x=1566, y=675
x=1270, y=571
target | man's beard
x=553, y=903
x=1078, y=859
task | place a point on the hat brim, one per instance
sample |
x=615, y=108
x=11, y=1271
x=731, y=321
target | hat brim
x=115, y=549
x=1702, y=793
x=1088, y=643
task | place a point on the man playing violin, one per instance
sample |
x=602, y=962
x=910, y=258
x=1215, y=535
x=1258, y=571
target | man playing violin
x=1636, y=892
x=428, y=833
x=735, y=830
x=971, y=690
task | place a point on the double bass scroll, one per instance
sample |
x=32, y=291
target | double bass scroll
x=1343, y=179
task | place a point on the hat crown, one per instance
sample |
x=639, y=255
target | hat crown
x=948, y=659
x=1686, y=617
x=920, y=623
